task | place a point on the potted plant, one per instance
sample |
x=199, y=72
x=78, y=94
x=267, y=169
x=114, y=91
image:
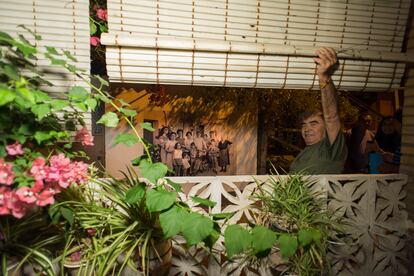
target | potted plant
x=133, y=223
x=291, y=232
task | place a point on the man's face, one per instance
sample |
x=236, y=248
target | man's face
x=313, y=129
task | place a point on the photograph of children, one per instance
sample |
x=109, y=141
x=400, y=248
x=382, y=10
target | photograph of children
x=199, y=152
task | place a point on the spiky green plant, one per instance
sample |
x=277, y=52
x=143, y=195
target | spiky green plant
x=119, y=229
x=292, y=208
x=17, y=241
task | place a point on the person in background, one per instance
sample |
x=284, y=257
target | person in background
x=186, y=164
x=387, y=136
x=224, y=155
x=325, y=150
x=161, y=141
x=169, y=148
x=360, y=143
x=389, y=141
x=200, y=144
x=188, y=140
x=194, y=160
x=180, y=138
x=213, y=152
x=178, y=159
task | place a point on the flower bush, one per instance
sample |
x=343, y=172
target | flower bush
x=36, y=132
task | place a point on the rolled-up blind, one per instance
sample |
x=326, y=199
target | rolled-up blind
x=61, y=24
x=348, y=26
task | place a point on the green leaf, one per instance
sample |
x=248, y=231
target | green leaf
x=128, y=112
x=109, y=119
x=26, y=49
x=11, y=72
x=196, y=228
x=152, y=171
x=122, y=102
x=135, y=194
x=305, y=237
x=78, y=93
x=91, y=103
x=263, y=238
x=171, y=221
x=36, y=36
x=69, y=55
x=4, y=37
x=51, y=50
x=138, y=160
x=101, y=80
x=41, y=110
x=236, y=239
x=288, y=245
x=103, y=28
x=72, y=68
x=127, y=139
x=41, y=136
x=27, y=95
x=22, y=102
x=317, y=236
x=59, y=104
x=92, y=27
x=147, y=126
x=213, y=237
x=6, y=95
x=202, y=201
x=81, y=106
x=41, y=96
x=176, y=186
x=54, y=213
x=3, y=152
x=102, y=98
x=56, y=61
x=24, y=129
x=157, y=201
x=67, y=214
x=67, y=146
x=220, y=216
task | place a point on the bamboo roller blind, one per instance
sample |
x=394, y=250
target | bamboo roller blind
x=61, y=24
x=255, y=43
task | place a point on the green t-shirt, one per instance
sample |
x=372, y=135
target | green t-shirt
x=322, y=157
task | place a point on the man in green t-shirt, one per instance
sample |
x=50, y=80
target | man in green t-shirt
x=325, y=150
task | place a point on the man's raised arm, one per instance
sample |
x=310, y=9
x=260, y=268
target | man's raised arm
x=327, y=61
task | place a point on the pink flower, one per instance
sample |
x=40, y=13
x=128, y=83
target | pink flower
x=94, y=40
x=102, y=14
x=25, y=194
x=6, y=173
x=4, y=198
x=38, y=170
x=46, y=197
x=18, y=208
x=59, y=165
x=83, y=136
x=80, y=172
x=38, y=186
x=75, y=256
x=91, y=232
x=14, y=149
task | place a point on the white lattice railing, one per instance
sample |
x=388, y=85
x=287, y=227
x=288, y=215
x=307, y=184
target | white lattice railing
x=372, y=204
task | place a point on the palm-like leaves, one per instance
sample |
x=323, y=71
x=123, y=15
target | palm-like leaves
x=289, y=204
x=18, y=241
x=124, y=231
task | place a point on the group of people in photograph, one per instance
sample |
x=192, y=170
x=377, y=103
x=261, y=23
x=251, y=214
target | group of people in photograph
x=194, y=153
